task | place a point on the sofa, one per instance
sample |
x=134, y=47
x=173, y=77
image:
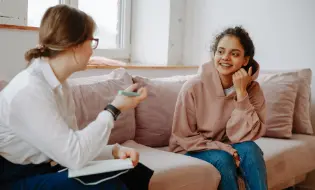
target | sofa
x=288, y=145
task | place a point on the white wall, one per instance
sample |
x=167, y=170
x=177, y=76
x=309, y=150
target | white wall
x=13, y=45
x=149, y=73
x=157, y=32
x=150, y=30
x=176, y=32
x=15, y=12
x=168, y=32
x=282, y=30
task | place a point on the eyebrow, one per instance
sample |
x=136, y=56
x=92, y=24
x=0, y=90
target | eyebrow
x=232, y=49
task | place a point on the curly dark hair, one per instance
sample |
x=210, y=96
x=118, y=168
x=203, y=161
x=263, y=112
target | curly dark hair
x=245, y=40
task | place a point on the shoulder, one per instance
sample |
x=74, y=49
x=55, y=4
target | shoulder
x=26, y=87
x=190, y=85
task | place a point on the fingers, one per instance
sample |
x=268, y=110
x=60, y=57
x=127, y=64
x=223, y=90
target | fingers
x=243, y=72
x=236, y=75
x=132, y=87
x=134, y=155
x=129, y=153
x=143, y=93
x=123, y=154
x=250, y=71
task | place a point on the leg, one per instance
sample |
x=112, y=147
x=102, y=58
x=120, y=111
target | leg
x=56, y=181
x=252, y=165
x=224, y=163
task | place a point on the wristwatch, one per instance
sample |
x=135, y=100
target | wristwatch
x=113, y=110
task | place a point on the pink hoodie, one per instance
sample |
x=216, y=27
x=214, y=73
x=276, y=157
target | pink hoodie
x=205, y=118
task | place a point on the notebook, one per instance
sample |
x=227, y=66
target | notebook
x=101, y=166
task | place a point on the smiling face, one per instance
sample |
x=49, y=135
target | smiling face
x=229, y=56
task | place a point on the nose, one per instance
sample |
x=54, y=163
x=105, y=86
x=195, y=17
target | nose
x=225, y=56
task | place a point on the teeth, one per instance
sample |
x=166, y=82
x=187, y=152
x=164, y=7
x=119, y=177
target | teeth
x=225, y=65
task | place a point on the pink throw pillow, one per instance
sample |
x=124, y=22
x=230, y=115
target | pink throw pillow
x=154, y=116
x=97, y=60
x=302, y=119
x=92, y=94
x=302, y=109
x=280, y=91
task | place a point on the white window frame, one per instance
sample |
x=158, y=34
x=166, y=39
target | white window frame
x=123, y=52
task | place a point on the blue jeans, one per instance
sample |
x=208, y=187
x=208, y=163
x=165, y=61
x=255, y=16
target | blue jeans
x=43, y=176
x=252, y=167
x=56, y=181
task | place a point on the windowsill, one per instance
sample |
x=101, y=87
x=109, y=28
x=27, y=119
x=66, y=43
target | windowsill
x=171, y=67
x=141, y=67
x=17, y=27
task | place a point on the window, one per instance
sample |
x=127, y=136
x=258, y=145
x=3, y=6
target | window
x=111, y=16
x=36, y=10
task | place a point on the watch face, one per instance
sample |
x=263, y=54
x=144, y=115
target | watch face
x=113, y=110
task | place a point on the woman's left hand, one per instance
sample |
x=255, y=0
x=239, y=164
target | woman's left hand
x=121, y=152
x=237, y=159
x=241, y=79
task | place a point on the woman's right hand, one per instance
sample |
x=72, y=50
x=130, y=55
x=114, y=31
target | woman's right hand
x=123, y=103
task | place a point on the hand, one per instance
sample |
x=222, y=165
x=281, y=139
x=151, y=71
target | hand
x=241, y=80
x=123, y=103
x=120, y=152
x=237, y=159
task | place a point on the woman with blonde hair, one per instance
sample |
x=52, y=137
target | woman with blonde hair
x=37, y=116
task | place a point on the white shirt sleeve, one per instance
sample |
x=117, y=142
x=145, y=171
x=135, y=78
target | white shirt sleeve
x=35, y=118
x=106, y=153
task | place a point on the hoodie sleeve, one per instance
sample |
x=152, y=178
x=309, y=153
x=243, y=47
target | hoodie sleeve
x=185, y=134
x=247, y=122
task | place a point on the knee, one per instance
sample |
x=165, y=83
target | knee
x=225, y=164
x=249, y=147
x=225, y=161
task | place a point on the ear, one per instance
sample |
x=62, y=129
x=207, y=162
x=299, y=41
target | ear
x=246, y=60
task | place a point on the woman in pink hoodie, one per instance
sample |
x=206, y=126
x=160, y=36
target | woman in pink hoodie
x=220, y=113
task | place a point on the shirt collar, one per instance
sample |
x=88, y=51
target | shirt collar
x=48, y=74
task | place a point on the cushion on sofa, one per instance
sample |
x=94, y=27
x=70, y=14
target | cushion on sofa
x=99, y=60
x=301, y=117
x=92, y=94
x=154, y=116
x=175, y=171
x=287, y=159
x=280, y=91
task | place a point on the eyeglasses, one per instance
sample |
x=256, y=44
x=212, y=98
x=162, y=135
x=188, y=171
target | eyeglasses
x=94, y=42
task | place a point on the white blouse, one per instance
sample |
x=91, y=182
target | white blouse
x=38, y=123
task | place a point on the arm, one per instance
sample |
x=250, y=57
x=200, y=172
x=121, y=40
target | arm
x=185, y=129
x=247, y=120
x=35, y=118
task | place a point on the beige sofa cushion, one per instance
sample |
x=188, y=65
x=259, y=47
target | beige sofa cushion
x=288, y=159
x=176, y=171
